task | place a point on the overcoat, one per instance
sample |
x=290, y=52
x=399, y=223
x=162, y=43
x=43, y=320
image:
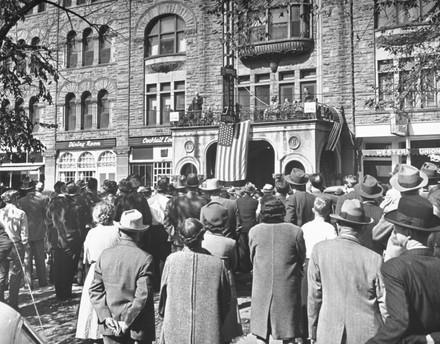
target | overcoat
x=346, y=292
x=412, y=283
x=299, y=208
x=194, y=298
x=122, y=288
x=277, y=253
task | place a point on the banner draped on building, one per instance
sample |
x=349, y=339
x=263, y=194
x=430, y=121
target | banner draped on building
x=232, y=151
x=335, y=133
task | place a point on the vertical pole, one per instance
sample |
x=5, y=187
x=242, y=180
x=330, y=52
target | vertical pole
x=408, y=146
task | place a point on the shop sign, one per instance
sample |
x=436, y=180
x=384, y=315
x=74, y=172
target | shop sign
x=401, y=151
x=86, y=144
x=150, y=141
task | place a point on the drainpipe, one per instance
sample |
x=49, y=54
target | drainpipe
x=353, y=93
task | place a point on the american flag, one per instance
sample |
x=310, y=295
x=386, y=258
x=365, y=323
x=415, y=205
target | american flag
x=232, y=149
x=335, y=133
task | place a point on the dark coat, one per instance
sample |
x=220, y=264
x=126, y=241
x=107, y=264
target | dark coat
x=412, y=283
x=35, y=206
x=366, y=239
x=299, y=208
x=67, y=218
x=247, y=208
x=123, y=289
x=277, y=252
x=233, y=222
x=133, y=200
x=194, y=298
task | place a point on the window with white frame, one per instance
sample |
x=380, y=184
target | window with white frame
x=86, y=166
x=151, y=172
x=165, y=36
x=398, y=82
x=67, y=168
x=282, y=22
x=400, y=13
x=163, y=98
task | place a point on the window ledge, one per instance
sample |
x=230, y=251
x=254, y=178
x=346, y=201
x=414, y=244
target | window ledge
x=278, y=48
x=90, y=66
x=165, y=63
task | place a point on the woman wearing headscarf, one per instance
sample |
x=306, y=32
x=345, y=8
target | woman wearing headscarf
x=99, y=238
x=195, y=291
x=214, y=220
x=277, y=254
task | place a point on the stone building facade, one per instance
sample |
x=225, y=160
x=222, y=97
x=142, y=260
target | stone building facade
x=123, y=103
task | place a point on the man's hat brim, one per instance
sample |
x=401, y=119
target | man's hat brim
x=367, y=220
x=393, y=215
x=395, y=183
x=129, y=229
x=290, y=181
x=358, y=190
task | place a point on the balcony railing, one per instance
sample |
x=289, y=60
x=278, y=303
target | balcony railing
x=291, y=112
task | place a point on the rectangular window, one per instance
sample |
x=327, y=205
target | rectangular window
x=167, y=44
x=262, y=77
x=179, y=101
x=244, y=98
x=308, y=91
x=262, y=97
x=278, y=23
x=165, y=108
x=80, y=2
x=86, y=175
x=41, y=7
x=289, y=75
x=406, y=88
x=428, y=85
x=150, y=172
x=67, y=3
x=386, y=80
x=142, y=153
x=151, y=109
x=287, y=91
x=67, y=176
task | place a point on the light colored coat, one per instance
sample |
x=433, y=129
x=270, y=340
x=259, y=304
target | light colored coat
x=194, y=298
x=122, y=288
x=346, y=292
x=277, y=252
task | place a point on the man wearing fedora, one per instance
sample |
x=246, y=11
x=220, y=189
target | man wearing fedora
x=122, y=289
x=350, y=182
x=34, y=205
x=431, y=170
x=346, y=292
x=247, y=209
x=299, y=205
x=67, y=219
x=15, y=223
x=408, y=181
x=158, y=245
x=370, y=192
x=212, y=188
x=196, y=201
x=412, y=280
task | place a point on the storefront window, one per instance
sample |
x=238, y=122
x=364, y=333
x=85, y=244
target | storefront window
x=150, y=172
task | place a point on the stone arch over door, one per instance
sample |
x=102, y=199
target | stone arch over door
x=186, y=160
x=168, y=7
x=308, y=166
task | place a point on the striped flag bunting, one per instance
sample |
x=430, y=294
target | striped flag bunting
x=335, y=133
x=232, y=151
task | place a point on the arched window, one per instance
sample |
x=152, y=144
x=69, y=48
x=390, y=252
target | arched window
x=86, y=166
x=103, y=110
x=34, y=113
x=107, y=159
x=86, y=110
x=104, y=45
x=70, y=112
x=165, y=36
x=21, y=59
x=72, y=53
x=67, y=168
x=87, y=47
x=19, y=103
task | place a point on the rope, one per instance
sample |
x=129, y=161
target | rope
x=30, y=290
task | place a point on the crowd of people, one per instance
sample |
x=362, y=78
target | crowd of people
x=357, y=265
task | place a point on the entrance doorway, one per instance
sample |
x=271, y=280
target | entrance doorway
x=291, y=165
x=328, y=168
x=260, y=167
x=187, y=169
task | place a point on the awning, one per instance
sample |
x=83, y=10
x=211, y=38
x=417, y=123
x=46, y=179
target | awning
x=18, y=168
x=401, y=151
